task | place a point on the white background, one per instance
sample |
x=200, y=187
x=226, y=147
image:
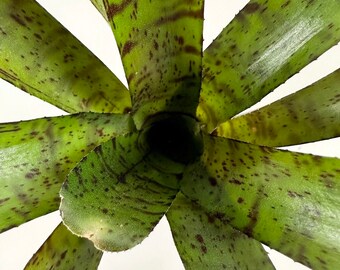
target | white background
x=157, y=252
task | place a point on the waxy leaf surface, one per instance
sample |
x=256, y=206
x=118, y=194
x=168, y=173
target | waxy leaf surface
x=37, y=155
x=309, y=115
x=206, y=242
x=289, y=201
x=63, y=250
x=266, y=43
x=38, y=55
x=114, y=197
x=160, y=43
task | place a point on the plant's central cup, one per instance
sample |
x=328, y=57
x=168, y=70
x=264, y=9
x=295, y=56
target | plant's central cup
x=174, y=140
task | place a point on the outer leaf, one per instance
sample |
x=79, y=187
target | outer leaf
x=160, y=43
x=289, y=201
x=36, y=156
x=309, y=115
x=38, y=55
x=63, y=250
x=206, y=242
x=113, y=197
x=265, y=44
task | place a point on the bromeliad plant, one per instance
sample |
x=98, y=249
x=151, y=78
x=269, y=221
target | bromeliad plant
x=171, y=144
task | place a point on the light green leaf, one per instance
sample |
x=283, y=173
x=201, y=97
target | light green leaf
x=38, y=55
x=309, y=115
x=114, y=197
x=160, y=43
x=266, y=43
x=63, y=250
x=36, y=156
x=100, y=6
x=289, y=201
x=206, y=242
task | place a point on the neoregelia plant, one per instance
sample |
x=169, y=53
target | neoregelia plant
x=171, y=144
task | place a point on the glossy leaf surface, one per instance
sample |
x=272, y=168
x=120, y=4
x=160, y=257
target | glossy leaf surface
x=266, y=43
x=114, y=197
x=38, y=55
x=63, y=250
x=206, y=242
x=309, y=115
x=36, y=156
x=289, y=201
x=160, y=43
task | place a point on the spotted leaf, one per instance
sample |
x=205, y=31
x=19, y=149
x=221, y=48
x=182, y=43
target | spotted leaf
x=266, y=43
x=114, y=197
x=309, y=115
x=160, y=43
x=289, y=201
x=63, y=250
x=36, y=156
x=38, y=55
x=204, y=241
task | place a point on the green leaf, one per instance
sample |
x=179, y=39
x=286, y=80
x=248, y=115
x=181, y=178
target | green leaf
x=114, y=197
x=100, y=6
x=289, y=201
x=206, y=242
x=37, y=155
x=266, y=43
x=38, y=55
x=160, y=43
x=63, y=250
x=309, y=115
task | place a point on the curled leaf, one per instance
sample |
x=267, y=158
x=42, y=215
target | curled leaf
x=113, y=197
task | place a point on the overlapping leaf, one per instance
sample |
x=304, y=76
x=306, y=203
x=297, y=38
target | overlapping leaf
x=206, y=242
x=160, y=43
x=311, y=114
x=36, y=156
x=289, y=201
x=38, y=55
x=63, y=250
x=265, y=44
x=114, y=197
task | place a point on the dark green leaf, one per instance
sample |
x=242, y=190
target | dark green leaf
x=265, y=44
x=63, y=250
x=206, y=242
x=289, y=201
x=114, y=197
x=160, y=43
x=309, y=115
x=38, y=55
x=36, y=156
